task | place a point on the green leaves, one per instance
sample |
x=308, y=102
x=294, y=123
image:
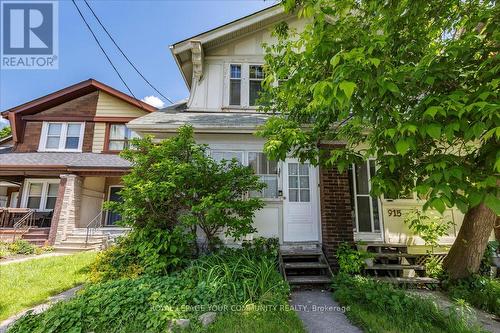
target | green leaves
x=402, y=146
x=432, y=111
x=347, y=87
x=434, y=130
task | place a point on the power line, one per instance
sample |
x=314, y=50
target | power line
x=102, y=49
x=124, y=55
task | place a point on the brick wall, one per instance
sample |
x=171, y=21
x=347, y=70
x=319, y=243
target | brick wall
x=336, y=218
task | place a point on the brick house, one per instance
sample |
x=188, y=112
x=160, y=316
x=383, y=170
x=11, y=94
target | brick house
x=62, y=163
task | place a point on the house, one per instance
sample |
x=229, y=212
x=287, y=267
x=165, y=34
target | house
x=223, y=70
x=62, y=163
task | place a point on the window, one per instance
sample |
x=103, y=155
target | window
x=298, y=182
x=119, y=136
x=61, y=137
x=235, y=85
x=366, y=205
x=255, y=83
x=41, y=194
x=267, y=171
x=219, y=155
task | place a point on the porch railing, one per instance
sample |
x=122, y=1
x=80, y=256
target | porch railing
x=25, y=221
x=94, y=225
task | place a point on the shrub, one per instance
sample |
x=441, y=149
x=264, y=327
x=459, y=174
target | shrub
x=480, y=291
x=22, y=246
x=381, y=307
x=428, y=226
x=351, y=261
x=147, y=304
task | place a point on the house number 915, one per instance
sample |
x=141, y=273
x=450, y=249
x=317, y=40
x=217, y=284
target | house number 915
x=394, y=212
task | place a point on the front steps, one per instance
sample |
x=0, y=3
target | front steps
x=305, y=267
x=37, y=236
x=99, y=240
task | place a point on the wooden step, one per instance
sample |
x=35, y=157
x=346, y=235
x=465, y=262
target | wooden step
x=306, y=265
x=35, y=236
x=395, y=267
x=395, y=255
x=309, y=279
x=300, y=253
x=408, y=280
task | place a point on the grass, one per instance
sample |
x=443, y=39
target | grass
x=380, y=307
x=481, y=292
x=272, y=321
x=31, y=282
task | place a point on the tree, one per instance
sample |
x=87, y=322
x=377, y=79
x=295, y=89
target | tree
x=5, y=132
x=174, y=185
x=413, y=84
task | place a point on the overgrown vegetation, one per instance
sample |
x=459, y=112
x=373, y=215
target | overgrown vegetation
x=351, y=261
x=22, y=247
x=381, y=307
x=480, y=291
x=31, y=282
x=229, y=282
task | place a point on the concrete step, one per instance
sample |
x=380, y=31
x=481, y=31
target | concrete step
x=395, y=267
x=44, y=231
x=305, y=265
x=65, y=249
x=35, y=236
x=80, y=244
x=78, y=238
x=309, y=279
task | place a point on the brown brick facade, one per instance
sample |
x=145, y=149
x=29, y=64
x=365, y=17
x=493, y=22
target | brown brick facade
x=336, y=216
x=31, y=138
x=84, y=106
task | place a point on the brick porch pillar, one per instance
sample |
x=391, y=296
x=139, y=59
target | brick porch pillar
x=69, y=209
x=336, y=218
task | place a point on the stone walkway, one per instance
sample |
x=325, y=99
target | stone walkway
x=485, y=319
x=320, y=313
x=31, y=257
x=65, y=295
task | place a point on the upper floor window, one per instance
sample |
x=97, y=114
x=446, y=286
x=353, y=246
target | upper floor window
x=235, y=85
x=245, y=84
x=119, y=136
x=255, y=84
x=61, y=136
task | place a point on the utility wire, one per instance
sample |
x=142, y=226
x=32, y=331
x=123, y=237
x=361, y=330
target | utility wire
x=124, y=55
x=102, y=49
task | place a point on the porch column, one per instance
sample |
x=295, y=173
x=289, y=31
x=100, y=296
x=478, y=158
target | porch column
x=67, y=206
x=336, y=216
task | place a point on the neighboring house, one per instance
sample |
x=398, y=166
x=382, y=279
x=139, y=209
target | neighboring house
x=222, y=69
x=61, y=163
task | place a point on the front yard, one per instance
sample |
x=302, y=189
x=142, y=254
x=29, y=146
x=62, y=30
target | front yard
x=31, y=282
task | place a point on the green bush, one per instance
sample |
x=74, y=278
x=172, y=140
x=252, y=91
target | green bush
x=147, y=304
x=351, y=261
x=22, y=246
x=381, y=307
x=480, y=291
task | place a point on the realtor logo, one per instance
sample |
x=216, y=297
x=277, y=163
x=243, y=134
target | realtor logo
x=29, y=35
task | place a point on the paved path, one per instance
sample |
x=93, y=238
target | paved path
x=31, y=257
x=320, y=313
x=65, y=295
x=485, y=319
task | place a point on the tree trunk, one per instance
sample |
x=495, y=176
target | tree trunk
x=497, y=237
x=467, y=251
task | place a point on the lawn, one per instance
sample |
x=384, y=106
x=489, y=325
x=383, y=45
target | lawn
x=31, y=282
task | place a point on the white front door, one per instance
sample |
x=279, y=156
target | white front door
x=300, y=202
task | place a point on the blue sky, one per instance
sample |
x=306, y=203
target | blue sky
x=143, y=29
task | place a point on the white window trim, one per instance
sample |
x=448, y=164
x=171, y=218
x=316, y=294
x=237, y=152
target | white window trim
x=355, y=195
x=45, y=188
x=62, y=140
x=245, y=86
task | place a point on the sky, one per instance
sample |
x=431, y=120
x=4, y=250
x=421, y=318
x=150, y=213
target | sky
x=143, y=29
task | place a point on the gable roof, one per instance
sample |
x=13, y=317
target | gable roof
x=61, y=96
x=222, y=34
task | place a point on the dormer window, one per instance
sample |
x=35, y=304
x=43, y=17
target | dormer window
x=255, y=84
x=245, y=84
x=57, y=136
x=119, y=137
x=235, y=85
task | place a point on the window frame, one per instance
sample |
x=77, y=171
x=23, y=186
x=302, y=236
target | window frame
x=107, y=138
x=241, y=79
x=245, y=86
x=253, y=79
x=44, y=195
x=277, y=174
x=62, y=138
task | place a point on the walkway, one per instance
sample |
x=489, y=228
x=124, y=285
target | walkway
x=320, y=313
x=65, y=295
x=31, y=257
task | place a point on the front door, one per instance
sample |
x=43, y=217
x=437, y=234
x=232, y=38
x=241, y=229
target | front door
x=113, y=217
x=300, y=202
